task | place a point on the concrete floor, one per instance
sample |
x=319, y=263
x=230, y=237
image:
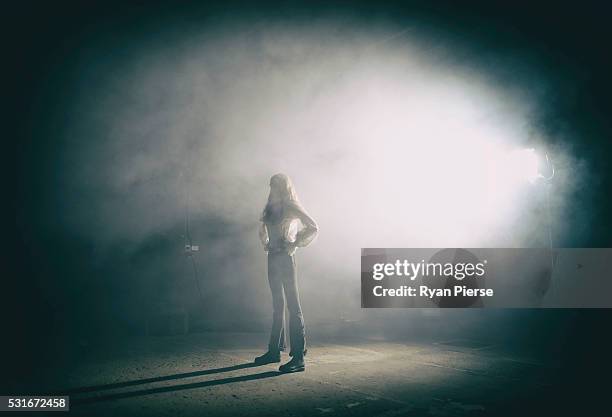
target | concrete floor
x=209, y=374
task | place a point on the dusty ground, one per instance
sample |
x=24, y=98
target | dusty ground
x=209, y=374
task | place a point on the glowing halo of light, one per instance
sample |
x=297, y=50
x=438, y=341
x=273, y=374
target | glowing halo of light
x=526, y=164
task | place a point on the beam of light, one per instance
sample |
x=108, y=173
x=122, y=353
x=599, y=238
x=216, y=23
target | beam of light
x=392, y=146
x=525, y=164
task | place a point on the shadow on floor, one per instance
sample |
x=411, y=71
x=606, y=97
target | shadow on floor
x=143, y=381
x=182, y=387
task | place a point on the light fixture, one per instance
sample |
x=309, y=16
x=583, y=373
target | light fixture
x=529, y=166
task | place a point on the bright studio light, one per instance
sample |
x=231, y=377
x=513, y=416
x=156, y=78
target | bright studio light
x=526, y=164
x=431, y=161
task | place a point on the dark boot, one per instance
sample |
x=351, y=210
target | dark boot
x=296, y=364
x=268, y=357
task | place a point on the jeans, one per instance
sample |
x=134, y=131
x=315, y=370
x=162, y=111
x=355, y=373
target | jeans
x=282, y=276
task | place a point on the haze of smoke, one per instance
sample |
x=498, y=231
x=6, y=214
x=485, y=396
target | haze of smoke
x=203, y=120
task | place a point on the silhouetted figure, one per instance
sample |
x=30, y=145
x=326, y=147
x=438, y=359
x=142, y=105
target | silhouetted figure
x=285, y=226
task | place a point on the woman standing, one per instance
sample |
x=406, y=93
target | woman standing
x=280, y=235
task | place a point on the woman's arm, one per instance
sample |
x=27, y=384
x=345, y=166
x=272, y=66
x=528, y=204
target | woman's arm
x=310, y=230
x=263, y=235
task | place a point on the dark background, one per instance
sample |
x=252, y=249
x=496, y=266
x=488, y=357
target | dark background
x=50, y=312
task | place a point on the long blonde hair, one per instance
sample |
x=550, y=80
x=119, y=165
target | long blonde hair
x=273, y=214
